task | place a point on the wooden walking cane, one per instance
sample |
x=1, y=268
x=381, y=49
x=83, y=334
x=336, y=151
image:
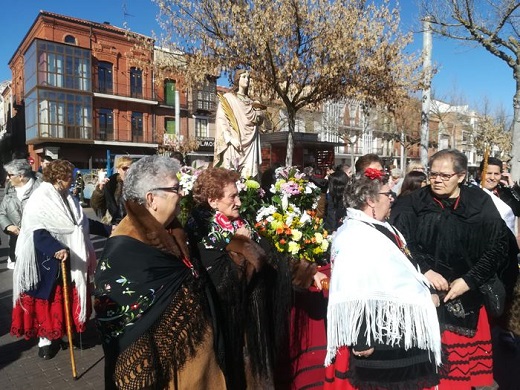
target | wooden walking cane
x=68, y=318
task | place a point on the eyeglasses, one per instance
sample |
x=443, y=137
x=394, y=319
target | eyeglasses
x=125, y=168
x=443, y=176
x=387, y=193
x=174, y=189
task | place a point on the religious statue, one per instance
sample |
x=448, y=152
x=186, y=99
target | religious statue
x=237, y=139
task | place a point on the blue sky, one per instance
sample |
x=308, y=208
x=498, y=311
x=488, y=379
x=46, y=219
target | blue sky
x=470, y=74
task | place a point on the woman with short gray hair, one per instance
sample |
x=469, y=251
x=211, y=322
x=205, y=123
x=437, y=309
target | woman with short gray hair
x=22, y=183
x=150, y=303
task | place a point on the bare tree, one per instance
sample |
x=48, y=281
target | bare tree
x=493, y=25
x=491, y=131
x=301, y=52
x=403, y=125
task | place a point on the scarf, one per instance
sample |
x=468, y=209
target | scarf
x=46, y=209
x=24, y=190
x=373, y=282
x=505, y=211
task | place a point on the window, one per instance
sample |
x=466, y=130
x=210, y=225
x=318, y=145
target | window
x=105, y=77
x=201, y=127
x=206, y=96
x=136, y=83
x=137, y=126
x=169, y=92
x=169, y=125
x=59, y=66
x=59, y=115
x=106, y=124
x=69, y=39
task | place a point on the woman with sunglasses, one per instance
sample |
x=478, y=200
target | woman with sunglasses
x=150, y=303
x=458, y=238
x=382, y=327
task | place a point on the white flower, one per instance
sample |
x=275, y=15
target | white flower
x=310, y=187
x=296, y=235
x=319, y=238
x=305, y=218
x=285, y=201
x=265, y=212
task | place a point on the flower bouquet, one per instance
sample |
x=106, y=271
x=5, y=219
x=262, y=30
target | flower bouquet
x=290, y=220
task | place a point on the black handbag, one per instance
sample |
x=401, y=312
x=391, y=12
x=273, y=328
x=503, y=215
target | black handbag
x=494, y=295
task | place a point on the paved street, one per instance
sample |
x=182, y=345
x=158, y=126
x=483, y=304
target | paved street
x=20, y=366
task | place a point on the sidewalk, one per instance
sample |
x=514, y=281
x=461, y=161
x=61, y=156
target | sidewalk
x=20, y=366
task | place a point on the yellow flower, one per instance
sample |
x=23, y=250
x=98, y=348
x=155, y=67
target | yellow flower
x=276, y=224
x=297, y=235
x=319, y=238
x=294, y=247
x=324, y=245
x=253, y=184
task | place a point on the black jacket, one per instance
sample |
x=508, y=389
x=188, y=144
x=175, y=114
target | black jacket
x=458, y=238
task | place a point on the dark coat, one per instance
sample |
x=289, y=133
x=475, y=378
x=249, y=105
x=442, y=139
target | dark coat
x=109, y=198
x=465, y=238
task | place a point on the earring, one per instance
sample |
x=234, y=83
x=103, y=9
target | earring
x=373, y=213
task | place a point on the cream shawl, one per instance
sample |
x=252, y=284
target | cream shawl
x=46, y=209
x=373, y=281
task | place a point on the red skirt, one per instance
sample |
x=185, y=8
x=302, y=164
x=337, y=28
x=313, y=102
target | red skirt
x=309, y=337
x=336, y=373
x=468, y=360
x=34, y=317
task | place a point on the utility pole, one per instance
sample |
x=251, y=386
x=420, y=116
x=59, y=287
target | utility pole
x=426, y=98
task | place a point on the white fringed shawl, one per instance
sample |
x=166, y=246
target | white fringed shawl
x=372, y=280
x=47, y=210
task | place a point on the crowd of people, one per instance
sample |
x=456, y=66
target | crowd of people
x=420, y=269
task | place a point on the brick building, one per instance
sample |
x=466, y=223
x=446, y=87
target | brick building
x=88, y=88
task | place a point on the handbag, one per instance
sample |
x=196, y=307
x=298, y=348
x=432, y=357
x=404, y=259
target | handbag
x=494, y=295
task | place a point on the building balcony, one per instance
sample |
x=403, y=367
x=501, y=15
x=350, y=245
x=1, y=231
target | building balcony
x=107, y=93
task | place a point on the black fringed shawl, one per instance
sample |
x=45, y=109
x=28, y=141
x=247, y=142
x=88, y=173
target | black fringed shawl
x=458, y=238
x=252, y=314
x=143, y=290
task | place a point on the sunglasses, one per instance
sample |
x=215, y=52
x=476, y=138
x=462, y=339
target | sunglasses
x=174, y=189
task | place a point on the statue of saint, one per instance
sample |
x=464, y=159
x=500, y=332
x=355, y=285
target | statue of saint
x=237, y=139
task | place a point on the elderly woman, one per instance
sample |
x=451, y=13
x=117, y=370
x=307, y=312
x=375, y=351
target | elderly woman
x=230, y=253
x=54, y=229
x=22, y=184
x=458, y=238
x=380, y=305
x=151, y=308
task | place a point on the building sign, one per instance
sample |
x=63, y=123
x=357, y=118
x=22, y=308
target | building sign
x=206, y=144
